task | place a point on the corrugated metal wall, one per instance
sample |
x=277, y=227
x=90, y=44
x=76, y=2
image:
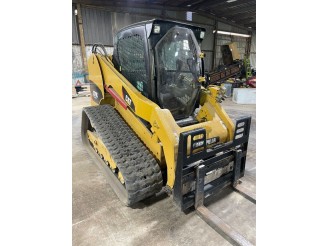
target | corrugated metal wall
x=208, y=42
x=228, y=28
x=139, y=11
x=75, y=37
x=207, y=46
x=101, y=25
x=97, y=26
x=120, y=20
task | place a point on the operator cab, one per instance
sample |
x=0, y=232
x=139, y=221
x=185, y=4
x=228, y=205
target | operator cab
x=161, y=60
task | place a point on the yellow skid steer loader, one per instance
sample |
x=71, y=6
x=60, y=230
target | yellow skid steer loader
x=153, y=123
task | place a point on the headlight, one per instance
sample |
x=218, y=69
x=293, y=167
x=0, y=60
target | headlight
x=157, y=29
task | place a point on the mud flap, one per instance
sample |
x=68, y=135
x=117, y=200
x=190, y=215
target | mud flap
x=190, y=187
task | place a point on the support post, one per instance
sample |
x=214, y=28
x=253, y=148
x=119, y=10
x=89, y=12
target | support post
x=214, y=46
x=248, y=46
x=81, y=37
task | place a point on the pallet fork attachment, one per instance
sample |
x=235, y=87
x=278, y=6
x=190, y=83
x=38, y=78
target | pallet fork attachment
x=192, y=169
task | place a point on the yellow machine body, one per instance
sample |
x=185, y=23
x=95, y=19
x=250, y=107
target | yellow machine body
x=162, y=137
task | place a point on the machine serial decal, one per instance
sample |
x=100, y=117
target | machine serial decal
x=208, y=142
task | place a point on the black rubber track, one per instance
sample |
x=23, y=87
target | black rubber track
x=141, y=173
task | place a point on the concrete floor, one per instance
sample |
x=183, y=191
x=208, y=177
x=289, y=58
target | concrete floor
x=99, y=218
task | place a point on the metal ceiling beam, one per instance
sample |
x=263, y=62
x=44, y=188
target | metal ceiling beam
x=129, y=5
x=219, y=19
x=190, y=2
x=181, y=7
x=221, y=3
x=110, y=6
x=196, y=4
x=237, y=11
x=169, y=2
x=205, y=4
x=225, y=10
x=150, y=15
x=246, y=21
x=236, y=3
x=243, y=16
x=252, y=25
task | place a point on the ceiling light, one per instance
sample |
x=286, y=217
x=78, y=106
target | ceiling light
x=234, y=34
x=231, y=1
x=189, y=16
x=188, y=5
x=250, y=27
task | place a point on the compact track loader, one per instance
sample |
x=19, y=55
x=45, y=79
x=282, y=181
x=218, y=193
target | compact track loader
x=153, y=123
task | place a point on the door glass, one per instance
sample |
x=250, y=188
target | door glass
x=178, y=69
